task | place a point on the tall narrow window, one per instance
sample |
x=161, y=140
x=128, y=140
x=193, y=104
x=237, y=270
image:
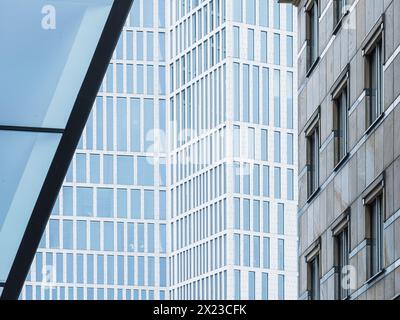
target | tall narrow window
x=340, y=118
x=375, y=83
x=339, y=10
x=342, y=245
x=314, y=279
x=376, y=232
x=313, y=146
x=313, y=31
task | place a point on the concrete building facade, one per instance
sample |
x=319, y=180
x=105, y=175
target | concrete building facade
x=349, y=151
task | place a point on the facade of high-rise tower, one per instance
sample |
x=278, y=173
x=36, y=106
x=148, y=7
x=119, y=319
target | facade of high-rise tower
x=349, y=124
x=184, y=183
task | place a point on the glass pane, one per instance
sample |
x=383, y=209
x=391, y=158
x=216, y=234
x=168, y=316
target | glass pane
x=60, y=37
x=23, y=169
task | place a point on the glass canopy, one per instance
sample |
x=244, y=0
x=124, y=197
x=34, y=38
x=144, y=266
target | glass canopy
x=47, y=47
x=52, y=51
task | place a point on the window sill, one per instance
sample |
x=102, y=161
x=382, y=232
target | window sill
x=341, y=163
x=376, y=276
x=313, y=195
x=375, y=124
x=340, y=23
x=312, y=67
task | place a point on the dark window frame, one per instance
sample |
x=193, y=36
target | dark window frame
x=374, y=203
x=313, y=138
x=341, y=105
x=312, y=257
x=312, y=9
x=373, y=51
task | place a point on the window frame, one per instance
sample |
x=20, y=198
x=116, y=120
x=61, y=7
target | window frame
x=312, y=257
x=313, y=12
x=313, y=154
x=341, y=234
x=339, y=15
x=372, y=196
x=374, y=41
x=341, y=116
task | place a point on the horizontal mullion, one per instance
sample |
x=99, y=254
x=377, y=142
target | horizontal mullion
x=31, y=129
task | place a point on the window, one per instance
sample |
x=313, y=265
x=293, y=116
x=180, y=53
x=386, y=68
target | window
x=312, y=32
x=339, y=10
x=314, y=278
x=376, y=235
x=312, y=135
x=342, y=256
x=375, y=77
x=340, y=98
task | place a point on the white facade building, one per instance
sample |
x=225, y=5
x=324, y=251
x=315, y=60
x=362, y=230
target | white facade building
x=183, y=186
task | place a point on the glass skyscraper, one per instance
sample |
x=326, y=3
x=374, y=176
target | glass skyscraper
x=183, y=185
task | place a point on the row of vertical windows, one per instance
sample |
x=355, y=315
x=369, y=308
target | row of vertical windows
x=199, y=225
x=254, y=247
x=110, y=203
x=246, y=138
x=141, y=46
x=198, y=60
x=254, y=278
x=211, y=287
x=252, y=95
x=142, y=14
x=255, y=180
x=140, y=125
x=107, y=236
x=197, y=25
x=120, y=170
x=88, y=293
x=134, y=79
x=199, y=155
x=255, y=216
x=198, y=108
x=262, y=54
x=98, y=269
x=244, y=11
x=198, y=260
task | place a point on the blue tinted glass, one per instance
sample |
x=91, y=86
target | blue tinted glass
x=62, y=39
x=29, y=155
x=67, y=234
x=81, y=235
x=135, y=204
x=125, y=170
x=122, y=203
x=94, y=235
x=54, y=234
x=140, y=236
x=149, y=204
x=108, y=236
x=84, y=202
x=105, y=202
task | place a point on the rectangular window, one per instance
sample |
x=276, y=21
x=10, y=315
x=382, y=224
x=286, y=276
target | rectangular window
x=281, y=287
x=252, y=285
x=313, y=32
x=314, y=273
x=313, y=146
x=342, y=257
x=375, y=209
x=340, y=125
x=277, y=183
x=339, y=9
x=375, y=83
x=281, y=254
x=250, y=44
